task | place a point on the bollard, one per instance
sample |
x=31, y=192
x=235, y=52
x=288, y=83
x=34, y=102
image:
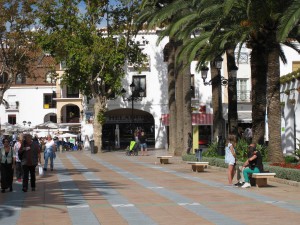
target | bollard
x=92, y=145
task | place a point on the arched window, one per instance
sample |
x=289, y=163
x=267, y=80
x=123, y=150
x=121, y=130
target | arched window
x=50, y=78
x=3, y=78
x=20, y=79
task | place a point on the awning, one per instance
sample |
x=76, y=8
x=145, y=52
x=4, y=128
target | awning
x=197, y=119
x=243, y=117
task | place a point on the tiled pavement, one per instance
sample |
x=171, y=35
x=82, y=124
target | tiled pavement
x=115, y=189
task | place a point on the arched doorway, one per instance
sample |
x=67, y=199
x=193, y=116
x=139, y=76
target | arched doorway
x=50, y=117
x=120, y=125
x=70, y=113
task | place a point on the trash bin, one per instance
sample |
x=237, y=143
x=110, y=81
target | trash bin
x=92, y=145
x=198, y=154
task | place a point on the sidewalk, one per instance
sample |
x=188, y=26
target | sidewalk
x=112, y=188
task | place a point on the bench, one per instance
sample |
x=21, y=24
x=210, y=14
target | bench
x=260, y=179
x=198, y=166
x=164, y=159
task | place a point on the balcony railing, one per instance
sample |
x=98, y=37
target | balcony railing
x=12, y=106
x=243, y=96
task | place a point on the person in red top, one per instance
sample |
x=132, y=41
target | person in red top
x=30, y=157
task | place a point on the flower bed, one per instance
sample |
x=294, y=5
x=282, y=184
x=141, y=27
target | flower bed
x=287, y=165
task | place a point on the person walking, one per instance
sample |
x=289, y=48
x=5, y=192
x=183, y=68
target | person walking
x=50, y=149
x=230, y=157
x=30, y=157
x=19, y=170
x=143, y=144
x=7, y=159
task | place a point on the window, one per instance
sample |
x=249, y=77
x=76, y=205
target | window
x=72, y=92
x=242, y=90
x=20, y=79
x=3, y=78
x=50, y=78
x=12, y=119
x=242, y=58
x=49, y=102
x=140, y=84
x=296, y=65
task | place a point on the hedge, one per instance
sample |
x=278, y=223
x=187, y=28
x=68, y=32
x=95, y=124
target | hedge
x=283, y=173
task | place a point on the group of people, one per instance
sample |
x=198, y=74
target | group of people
x=23, y=156
x=253, y=164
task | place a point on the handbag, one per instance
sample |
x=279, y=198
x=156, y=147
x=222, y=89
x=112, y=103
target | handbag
x=41, y=171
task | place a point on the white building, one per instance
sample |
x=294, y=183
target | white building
x=43, y=101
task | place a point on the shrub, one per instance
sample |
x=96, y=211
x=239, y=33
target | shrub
x=283, y=173
x=290, y=159
x=212, y=150
x=242, y=149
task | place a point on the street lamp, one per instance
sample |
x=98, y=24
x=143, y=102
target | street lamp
x=136, y=95
x=219, y=81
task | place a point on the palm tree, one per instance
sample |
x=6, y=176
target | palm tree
x=179, y=107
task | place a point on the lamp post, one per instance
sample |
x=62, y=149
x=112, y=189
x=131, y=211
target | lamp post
x=219, y=81
x=136, y=95
x=232, y=104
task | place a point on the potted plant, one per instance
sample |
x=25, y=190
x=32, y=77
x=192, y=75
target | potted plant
x=287, y=92
x=292, y=101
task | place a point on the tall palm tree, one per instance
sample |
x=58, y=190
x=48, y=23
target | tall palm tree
x=180, y=112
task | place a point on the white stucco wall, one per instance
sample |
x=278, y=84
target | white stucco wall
x=31, y=105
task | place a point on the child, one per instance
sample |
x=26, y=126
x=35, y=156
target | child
x=230, y=156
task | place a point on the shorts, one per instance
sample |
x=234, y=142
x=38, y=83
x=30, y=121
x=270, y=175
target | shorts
x=143, y=145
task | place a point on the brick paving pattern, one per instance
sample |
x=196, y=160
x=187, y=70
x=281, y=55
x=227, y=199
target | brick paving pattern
x=115, y=189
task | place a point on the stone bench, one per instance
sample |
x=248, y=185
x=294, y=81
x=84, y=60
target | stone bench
x=198, y=166
x=260, y=179
x=164, y=159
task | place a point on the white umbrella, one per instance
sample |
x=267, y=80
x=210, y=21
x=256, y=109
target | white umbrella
x=67, y=135
x=47, y=125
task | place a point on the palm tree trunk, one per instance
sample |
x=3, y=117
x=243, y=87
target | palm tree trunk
x=169, y=52
x=187, y=109
x=232, y=93
x=274, y=109
x=179, y=103
x=258, y=92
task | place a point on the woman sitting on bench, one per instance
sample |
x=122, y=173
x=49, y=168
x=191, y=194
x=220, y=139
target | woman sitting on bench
x=252, y=165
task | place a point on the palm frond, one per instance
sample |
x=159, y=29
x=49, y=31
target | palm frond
x=289, y=20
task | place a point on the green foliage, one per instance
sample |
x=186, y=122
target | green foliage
x=242, y=149
x=95, y=58
x=290, y=77
x=101, y=116
x=18, y=50
x=283, y=173
x=297, y=150
x=212, y=150
x=290, y=159
x=189, y=157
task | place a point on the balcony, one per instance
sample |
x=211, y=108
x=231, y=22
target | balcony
x=243, y=96
x=12, y=106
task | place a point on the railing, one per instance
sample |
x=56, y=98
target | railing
x=243, y=96
x=12, y=106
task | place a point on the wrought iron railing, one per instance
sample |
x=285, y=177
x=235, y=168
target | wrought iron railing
x=244, y=96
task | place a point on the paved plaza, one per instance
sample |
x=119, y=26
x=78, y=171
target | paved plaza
x=115, y=189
